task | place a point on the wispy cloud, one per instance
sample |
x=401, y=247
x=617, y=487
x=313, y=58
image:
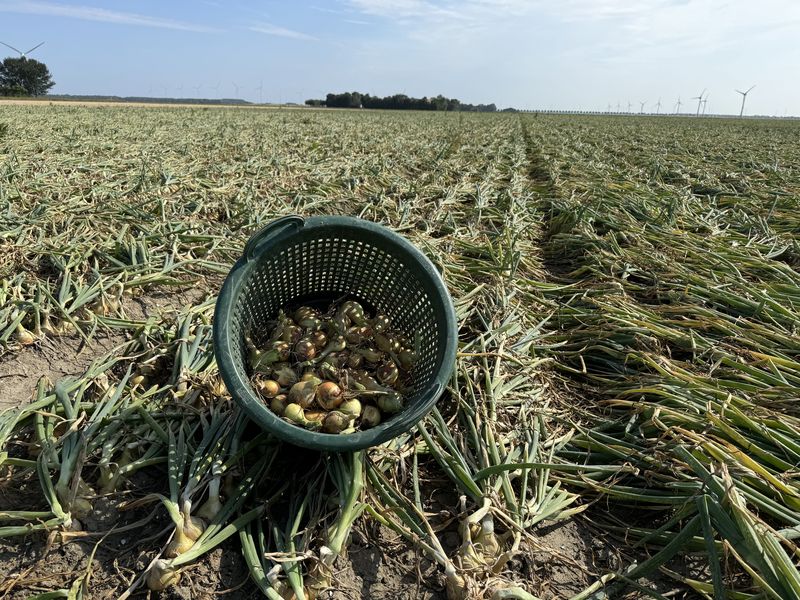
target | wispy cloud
x=91, y=13
x=357, y=22
x=270, y=29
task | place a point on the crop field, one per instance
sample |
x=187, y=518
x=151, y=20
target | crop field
x=624, y=416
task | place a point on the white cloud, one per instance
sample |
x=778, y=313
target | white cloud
x=270, y=29
x=91, y=13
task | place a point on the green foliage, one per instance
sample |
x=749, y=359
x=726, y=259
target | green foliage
x=398, y=102
x=24, y=77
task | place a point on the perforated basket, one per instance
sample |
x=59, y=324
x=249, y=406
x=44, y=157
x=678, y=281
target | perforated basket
x=295, y=261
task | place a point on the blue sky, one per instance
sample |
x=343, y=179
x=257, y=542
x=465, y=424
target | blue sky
x=525, y=53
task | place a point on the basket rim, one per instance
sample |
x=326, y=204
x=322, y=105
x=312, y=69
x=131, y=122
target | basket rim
x=240, y=389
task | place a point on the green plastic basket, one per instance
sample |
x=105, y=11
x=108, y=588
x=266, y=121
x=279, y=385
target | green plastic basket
x=295, y=261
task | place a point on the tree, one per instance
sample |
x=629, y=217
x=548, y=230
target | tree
x=23, y=73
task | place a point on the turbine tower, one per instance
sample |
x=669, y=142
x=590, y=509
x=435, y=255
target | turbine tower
x=658, y=106
x=744, y=97
x=678, y=106
x=20, y=52
x=236, y=87
x=705, y=100
x=699, y=102
x=629, y=106
x=641, y=106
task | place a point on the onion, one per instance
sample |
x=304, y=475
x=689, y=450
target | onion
x=292, y=334
x=310, y=324
x=304, y=312
x=339, y=324
x=294, y=413
x=278, y=404
x=354, y=360
x=407, y=359
x=370, y=417
x=305, y=350
x=212, y=506
x=329, y=395
x=162, y=575
x=315, y=416
x=352, y=408
x=371, y=355
x=357, y=335
x=335, y=422
x=269, y=388
x=320, y=339
x=387, y=373
x=386, y=344
x=354, y=312
x=391, y=403
x=24, y=337
x=381, y=323
x=285, y=376
x=302, y=392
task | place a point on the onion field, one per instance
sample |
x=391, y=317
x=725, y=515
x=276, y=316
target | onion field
x=624, y=416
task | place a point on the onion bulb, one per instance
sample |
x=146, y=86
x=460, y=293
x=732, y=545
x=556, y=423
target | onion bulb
x=162, y=575
x=329, y=395
x=335, y=422
x=386, y=344
x=304, y=312
x=295, y=414
x=302, y=392
x=354, y=360
x=370, y=417
x=278, y=404
x=305, y=350
x=352, y=408
x=291, y=334
x=387, y=373
x=285, y=376
x=269, y=388
x=407, y=359
x=319, y=339
x=381, y=323
x=391, y=403
x=24, y=337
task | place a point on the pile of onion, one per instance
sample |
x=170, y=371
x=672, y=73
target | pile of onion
x=337, y=372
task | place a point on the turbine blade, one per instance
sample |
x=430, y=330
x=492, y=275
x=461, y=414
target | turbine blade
x=12, y=47
x=34, y=48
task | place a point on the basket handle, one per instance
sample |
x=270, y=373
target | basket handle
x=277, y=226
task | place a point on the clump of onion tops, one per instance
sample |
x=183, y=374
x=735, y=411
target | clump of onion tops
x=336, y=372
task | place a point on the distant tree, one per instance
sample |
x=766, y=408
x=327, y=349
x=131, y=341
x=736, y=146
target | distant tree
x=23, y=73
x=315, y=102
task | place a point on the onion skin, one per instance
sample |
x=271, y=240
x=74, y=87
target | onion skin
x=269, y=388
x=278, y=404
x=329, y=395
x=292, y=334
x=161, y=576
x=370, y=417
x=319, y=339
x=407, y=359
x=352, y=408
x=305, y=350
x=295, y=414
x=304, y=312
x=391, y=403
x=335, y=422
x=387, y=373
x=285, y=376
x=381, y=323
x=303, y=392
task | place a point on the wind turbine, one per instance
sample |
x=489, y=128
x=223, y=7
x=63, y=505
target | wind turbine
x=705, y=100
x=236, y=87
x=215, y=88
x=641, y=106
x=619, y=108
x=609, y=108
x=260, y=90
x=196, y=89
x=629, y=106
x=744, y=97
x=21, y=54
x=658, y=106
x=699, y=101
x=678, y=105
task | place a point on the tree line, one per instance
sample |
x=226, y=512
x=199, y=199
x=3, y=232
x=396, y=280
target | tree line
x=398, y=102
